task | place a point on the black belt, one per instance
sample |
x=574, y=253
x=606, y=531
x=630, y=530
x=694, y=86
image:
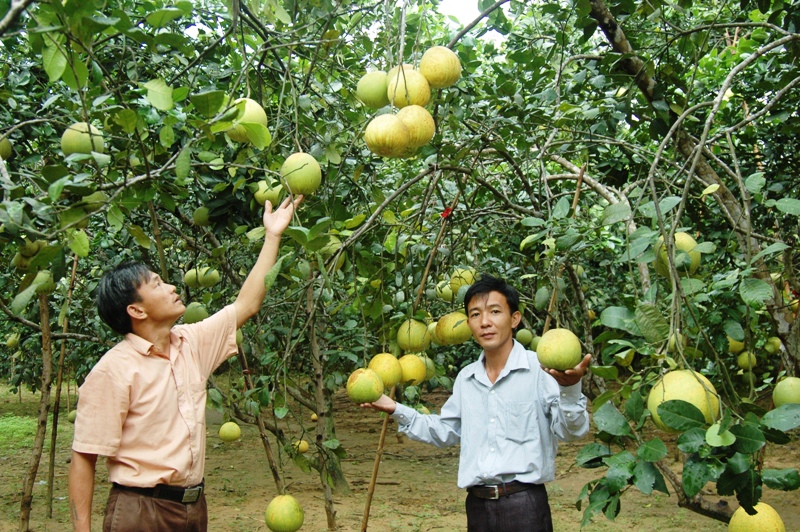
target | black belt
x=495, y=491
x=171, y=493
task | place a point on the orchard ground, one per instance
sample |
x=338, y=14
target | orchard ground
x=415, y=490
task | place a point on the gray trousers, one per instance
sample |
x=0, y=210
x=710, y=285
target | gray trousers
x=524, y=511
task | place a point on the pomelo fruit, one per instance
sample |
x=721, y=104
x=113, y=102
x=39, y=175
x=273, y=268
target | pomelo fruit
x=72, y=416
x=735, y=346
x=265, y=193
x=461, y=277
x=81, y=137
x=371, y=89
x=387, y=136
x=229, y=431
x=284, y=514
x=773, y=345
x=786, y=391
x=453, y=328
x=524, y=336
x=440, y=66
x=364, y=386
x=200, y=216
x=388, y=367
x=414, y=370
x=420, y=124
x=683, y=242
x=190, y=278
x=6, y=150
x=393, y=72
x=688, y=386
x=746, y=360
x=559, y=349
x=443, y=291
x=301, y=446
x=301, y=174
x=408, y=87
x=253, y=113
x=44, y=282
x=209, y=277
x=766, y=519
x=195, y=312
x=430, y=366
x=413, y=336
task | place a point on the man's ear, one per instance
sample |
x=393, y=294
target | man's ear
x=515, y=319
x=136, y=312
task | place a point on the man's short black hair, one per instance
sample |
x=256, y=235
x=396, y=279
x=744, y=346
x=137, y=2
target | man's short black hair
x=486, y=284
x=119, y=288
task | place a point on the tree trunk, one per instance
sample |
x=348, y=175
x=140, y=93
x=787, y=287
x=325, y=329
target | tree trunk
x=44, y=408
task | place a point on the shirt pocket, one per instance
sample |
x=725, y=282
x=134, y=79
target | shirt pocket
x=198, y=390
x=520, y=421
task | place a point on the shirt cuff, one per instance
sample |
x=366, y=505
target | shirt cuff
x=570, y=394
x=403, y=414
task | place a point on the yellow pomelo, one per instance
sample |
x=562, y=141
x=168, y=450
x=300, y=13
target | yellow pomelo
x=301, y=174
x=435, y=340
x=301, y=446
x=413, y=335
x=284, y=514
x=364, y=386
x=524, y=336
x=414, y=370
x=388, y=367
x=735, y=346
x=746, y=360
x=766, y=519
x=688, y=386
x=81, y=137
x=387, y=136
x=786, y=391
x=683, y=242
x=408, y=87
x=314, y=416
x=420, y=124
x=453, y=328
x=371, y=89
x=393, y=72
x=230, y=431
x=559, y=349
x=461, y=277
x=443, y=291
x=6, y=149
x=195, y=312
x=440, y=66
x=422, y=409
x=253, y=114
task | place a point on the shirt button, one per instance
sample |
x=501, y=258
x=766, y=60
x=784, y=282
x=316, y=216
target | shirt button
x=569, y=414
x=563, y=394
x=491, y=420
x=492, y=449
x=492, y=392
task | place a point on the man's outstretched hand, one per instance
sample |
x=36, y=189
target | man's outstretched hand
x=570, y=376
x=275, y=222
x=383, y=404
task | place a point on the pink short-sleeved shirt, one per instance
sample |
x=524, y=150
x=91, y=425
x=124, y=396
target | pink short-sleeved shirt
x=146, y=412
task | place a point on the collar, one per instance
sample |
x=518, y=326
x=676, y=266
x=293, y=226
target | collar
x=145, y=347
x=517, y=359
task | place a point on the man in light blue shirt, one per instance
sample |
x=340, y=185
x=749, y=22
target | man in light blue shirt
x=508, y=413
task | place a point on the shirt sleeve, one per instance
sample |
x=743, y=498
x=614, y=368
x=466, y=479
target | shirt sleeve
x=212, y=340
x=441, y=430
x=566, y=405
x=102, y=408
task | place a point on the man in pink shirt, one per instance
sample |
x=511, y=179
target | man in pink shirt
x=143, y=404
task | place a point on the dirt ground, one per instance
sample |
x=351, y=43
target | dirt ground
x=415, y=488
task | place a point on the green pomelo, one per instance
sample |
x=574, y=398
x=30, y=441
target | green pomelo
x=301, y=174
x=81, y=137
x=414, y=369
x=683, y=242
x=364, y=386
x=787, y=391
x=559, y=349
x=195, y=312
x=6, y=149
x=371, y=89
x=524, y=336
x=253, y=114
x=413, y=336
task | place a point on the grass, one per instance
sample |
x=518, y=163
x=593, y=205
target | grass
x=16, y=432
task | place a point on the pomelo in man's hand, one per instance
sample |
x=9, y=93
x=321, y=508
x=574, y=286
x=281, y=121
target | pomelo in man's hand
x=559, y=349
x=301, y=174
x=364, y=386
x=284, y=514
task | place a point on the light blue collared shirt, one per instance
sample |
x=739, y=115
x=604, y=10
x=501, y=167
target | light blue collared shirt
x=508, y=430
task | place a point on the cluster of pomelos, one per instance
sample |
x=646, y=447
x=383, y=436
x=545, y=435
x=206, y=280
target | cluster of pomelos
x=407, y=89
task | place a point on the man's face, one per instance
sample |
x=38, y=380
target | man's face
x=491, y=321
x=159, y=300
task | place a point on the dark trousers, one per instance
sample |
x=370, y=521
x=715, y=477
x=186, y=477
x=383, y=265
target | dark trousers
x=127, y=511
x=524, y=511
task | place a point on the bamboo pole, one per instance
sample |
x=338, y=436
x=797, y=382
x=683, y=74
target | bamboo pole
x=374, y=479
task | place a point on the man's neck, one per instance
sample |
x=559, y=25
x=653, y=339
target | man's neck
x=495, y=360
x=156, y=334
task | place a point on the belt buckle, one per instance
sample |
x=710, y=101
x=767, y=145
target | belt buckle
x=496, y=494
x=192, y=494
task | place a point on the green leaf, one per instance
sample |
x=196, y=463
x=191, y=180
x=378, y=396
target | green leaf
x=22, y=299
x=608, y=373
x=54, y=60
x=273, y=272
x=788, y=206
x=207, y=103
x=644, y=476
x=748, y=438
x=591, y=455
x=608, y=419
x=620, y=469
x=139, y=235
x=162, y=17
x=755, y=182
x=717, y=438
x=784, y=418
x=754, y=292
x=281, y=411
x=781, y=479
x=159, y=94
x=620, y=318
x=651, y=322
x=697, y=472
x=541, y=298
x=738, y=463
x=680, y=415
x=166, y=136
x=772, y=249
x=79, y=243
x=561, y=210
x=332, y=443
x=652, y=451
x=183, y=165
x=733, y=329
x=634, y=407
x=126, y=119
x=258, y=134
